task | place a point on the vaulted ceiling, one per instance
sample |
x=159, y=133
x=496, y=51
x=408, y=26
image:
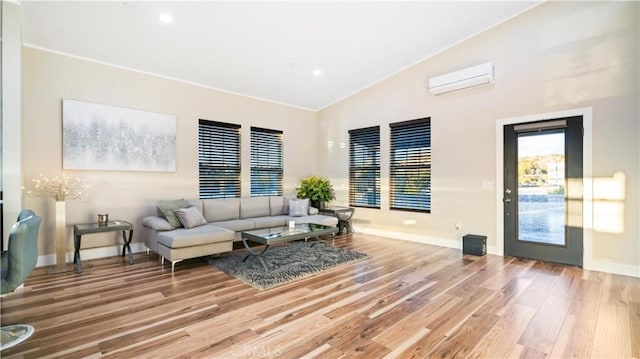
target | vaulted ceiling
x=302, y=54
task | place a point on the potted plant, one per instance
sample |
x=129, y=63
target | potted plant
x=317, y=189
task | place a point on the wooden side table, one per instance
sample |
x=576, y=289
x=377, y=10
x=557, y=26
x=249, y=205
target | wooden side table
x=112, y=226
x=344, y=215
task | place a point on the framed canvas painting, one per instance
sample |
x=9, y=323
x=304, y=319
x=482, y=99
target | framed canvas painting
x=103, y=137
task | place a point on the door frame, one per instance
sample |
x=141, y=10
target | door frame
x=587, y=175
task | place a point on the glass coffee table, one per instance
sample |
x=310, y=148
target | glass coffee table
x=275, y=235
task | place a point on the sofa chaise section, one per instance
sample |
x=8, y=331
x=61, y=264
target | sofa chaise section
x=181, y=243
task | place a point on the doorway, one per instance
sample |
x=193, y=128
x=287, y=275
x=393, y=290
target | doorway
x=542, y=194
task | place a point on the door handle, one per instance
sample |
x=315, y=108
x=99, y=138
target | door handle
x=507, y=199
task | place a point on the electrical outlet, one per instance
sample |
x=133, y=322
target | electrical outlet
x=458, y=225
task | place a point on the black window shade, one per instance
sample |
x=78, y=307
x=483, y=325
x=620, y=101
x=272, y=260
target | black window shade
x=219, y=159
x=266, y=162
x=410, y=165
x=364, y=167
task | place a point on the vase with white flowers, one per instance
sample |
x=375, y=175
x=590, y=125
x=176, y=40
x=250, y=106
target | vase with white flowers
x=60, y=188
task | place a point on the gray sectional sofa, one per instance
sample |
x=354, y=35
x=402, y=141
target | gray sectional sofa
x=225, y=220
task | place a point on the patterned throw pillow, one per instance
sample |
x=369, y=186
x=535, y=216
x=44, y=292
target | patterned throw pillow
x=298, y=207
x=166, y=210
x=190, y=217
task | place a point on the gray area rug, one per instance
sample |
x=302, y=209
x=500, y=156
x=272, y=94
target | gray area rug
x=285, y=263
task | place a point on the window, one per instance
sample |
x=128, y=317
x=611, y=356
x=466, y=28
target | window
x=410, y=165
x=266, y=162
x=364, y=167
x=219, y=159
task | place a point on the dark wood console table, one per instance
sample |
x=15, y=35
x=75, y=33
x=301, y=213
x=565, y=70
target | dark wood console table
x=112, y=226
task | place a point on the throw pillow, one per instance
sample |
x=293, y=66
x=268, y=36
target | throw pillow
x=298, y=207
x=157, y=223
x=190, y=217
x=166, y=210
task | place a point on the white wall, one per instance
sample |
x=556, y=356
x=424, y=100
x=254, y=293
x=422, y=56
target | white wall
x=556, y=57
x=50, y=77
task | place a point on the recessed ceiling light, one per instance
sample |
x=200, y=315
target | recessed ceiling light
x=317, y=73
x=165, y=18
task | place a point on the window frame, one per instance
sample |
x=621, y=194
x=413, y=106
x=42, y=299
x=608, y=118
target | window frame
x=267, y=146
x=410, y=156
x=361, y=164
x=219, y=150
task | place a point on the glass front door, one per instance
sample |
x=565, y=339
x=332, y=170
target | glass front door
x=543, y=165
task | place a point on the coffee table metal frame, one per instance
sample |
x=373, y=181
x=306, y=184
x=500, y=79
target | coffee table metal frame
x=282, y=234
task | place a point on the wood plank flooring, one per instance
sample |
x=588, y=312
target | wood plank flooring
x=409, y=300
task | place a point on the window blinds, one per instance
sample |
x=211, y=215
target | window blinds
x=364, y=167
x=266, y=162
x=410, y=165
x=219, y=159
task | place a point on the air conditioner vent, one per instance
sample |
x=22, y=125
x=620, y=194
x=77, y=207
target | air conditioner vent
x=473, y=76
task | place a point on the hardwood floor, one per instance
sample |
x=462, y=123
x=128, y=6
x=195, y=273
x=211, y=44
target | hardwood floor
x=409, y=300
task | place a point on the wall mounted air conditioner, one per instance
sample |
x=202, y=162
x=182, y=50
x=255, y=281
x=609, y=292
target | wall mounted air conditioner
x=473, y=76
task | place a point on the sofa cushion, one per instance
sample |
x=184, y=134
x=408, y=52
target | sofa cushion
x=190, y=217
x=298, y=207
x=196, y=203
x=269, y=221
x=251, y=207
x=181, y=237
x=318, y=219
x=279, y=205
x=166, y=210
x=236, y=225
x=221, y=209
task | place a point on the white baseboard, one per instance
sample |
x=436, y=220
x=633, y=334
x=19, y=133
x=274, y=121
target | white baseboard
x=91, y=253
x=600, y=266
x=436, y=241
x=613, y=268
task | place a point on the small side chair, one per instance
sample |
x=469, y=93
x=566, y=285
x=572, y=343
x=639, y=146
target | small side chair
x=16, y=264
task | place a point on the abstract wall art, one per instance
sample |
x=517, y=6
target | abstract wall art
x=102, y=137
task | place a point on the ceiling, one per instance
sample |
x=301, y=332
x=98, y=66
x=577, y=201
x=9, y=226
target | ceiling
x=266, y=50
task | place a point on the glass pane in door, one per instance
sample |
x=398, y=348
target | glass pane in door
x=541, y=187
